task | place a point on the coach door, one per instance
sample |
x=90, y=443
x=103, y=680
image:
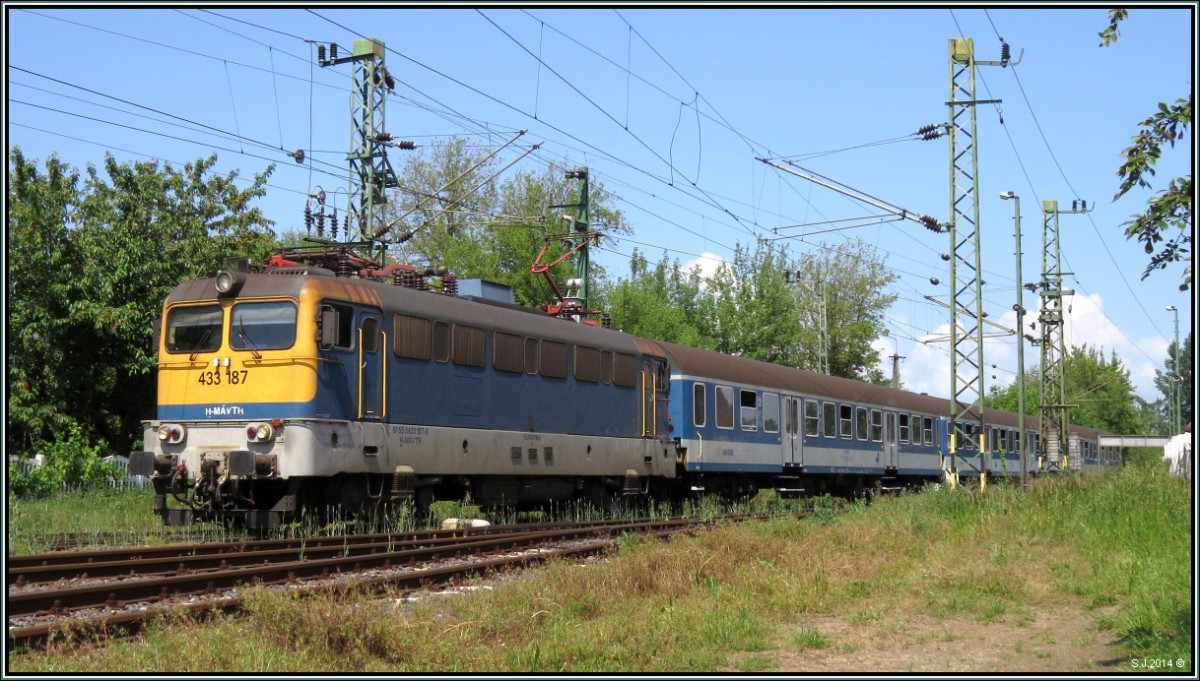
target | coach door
x=793, y=443
x=891, y=456
x=371, y=377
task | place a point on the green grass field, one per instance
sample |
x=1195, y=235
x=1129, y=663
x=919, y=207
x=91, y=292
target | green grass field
x=1116, y=546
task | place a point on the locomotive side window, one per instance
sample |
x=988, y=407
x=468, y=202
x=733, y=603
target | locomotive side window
x=587, y=364
x=441, y=341
x=194, y=329
x=749, y=411
x=531, y=356
x=606, y=367
x=699, y=408
x=876, y=426
x=812, y=417
x=468, y=346
x=414, y=337
x=508, y=352
x=336, y=324
x=770, y=413
x=554, y=359
x=904, y=428
x=263, y=326
x=624, y=370
x=862, y=423
x=370, y=335
x=724, y=407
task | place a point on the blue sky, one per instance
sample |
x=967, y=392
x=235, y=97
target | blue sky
x=669, y=107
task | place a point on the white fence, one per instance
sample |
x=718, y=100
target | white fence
x=24, y=465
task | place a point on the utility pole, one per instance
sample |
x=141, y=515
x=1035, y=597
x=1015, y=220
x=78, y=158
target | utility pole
x=1019, y=308
x=896, y=371
x=1176, y=384
x=966, y=284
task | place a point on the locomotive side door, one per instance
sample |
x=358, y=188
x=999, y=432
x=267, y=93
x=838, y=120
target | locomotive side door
x=654, y=387
x=371, y=376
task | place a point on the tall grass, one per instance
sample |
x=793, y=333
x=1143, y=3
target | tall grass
x=1117, y=545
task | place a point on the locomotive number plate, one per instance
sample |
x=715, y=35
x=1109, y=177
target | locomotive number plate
x=229, y=376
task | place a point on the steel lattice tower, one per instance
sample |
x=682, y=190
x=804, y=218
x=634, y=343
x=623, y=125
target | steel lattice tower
x=966, y=353
x=1054, y=446
x=370, y=172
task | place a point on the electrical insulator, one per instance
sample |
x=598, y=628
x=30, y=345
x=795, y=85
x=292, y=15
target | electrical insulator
x=1005, y=53
x=320, y=54
x=332, y=51
x=384, y=137
x=389, y=81
x=1083, y=204
x=321, y=224
x=407, y=144
x=308, y=221
x=1075, y=205
x=930, y=223
x=946, y=257
x=930, y=132
x=298, y=155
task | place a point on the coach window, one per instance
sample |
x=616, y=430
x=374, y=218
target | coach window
x=770, y=413
x=553, y=360
x=876, y=425
x=587, y=364
x=606, y=366
x=749, y=411
x=812, y=418
x=904, y=429
x=508, y=352
x=194, y=329
x=846, y=419
x=441, y=341
x=861, y=423
x=829, y=415
x=724, y=398
x=414, y=337
x=699, y=408
x=928, y=430
x=468, y=346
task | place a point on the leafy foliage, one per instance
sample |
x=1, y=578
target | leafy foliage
x=1170, y=209
x=1098, y=390
x=70, y=459
x=90, y=261
x=1165, y=379
x=764, y=305
x=490, y=230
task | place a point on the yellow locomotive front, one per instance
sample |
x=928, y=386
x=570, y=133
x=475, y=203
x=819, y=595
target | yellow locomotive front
x=238, y=373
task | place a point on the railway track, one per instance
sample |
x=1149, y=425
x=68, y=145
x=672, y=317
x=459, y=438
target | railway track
x=87, y=594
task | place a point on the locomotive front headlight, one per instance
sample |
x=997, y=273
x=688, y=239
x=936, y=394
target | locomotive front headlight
x=171, y=433
x=260, y=432
x=228, y=282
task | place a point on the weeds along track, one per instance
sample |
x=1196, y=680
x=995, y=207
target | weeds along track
x=88, y=594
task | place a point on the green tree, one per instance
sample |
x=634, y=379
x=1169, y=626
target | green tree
x=1098, y=390
x=461, y=217
x=661, y=302
x=89, y=265
x=1165, y=227
x=1165, y=379
x=754, y=309
x=852, y=276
